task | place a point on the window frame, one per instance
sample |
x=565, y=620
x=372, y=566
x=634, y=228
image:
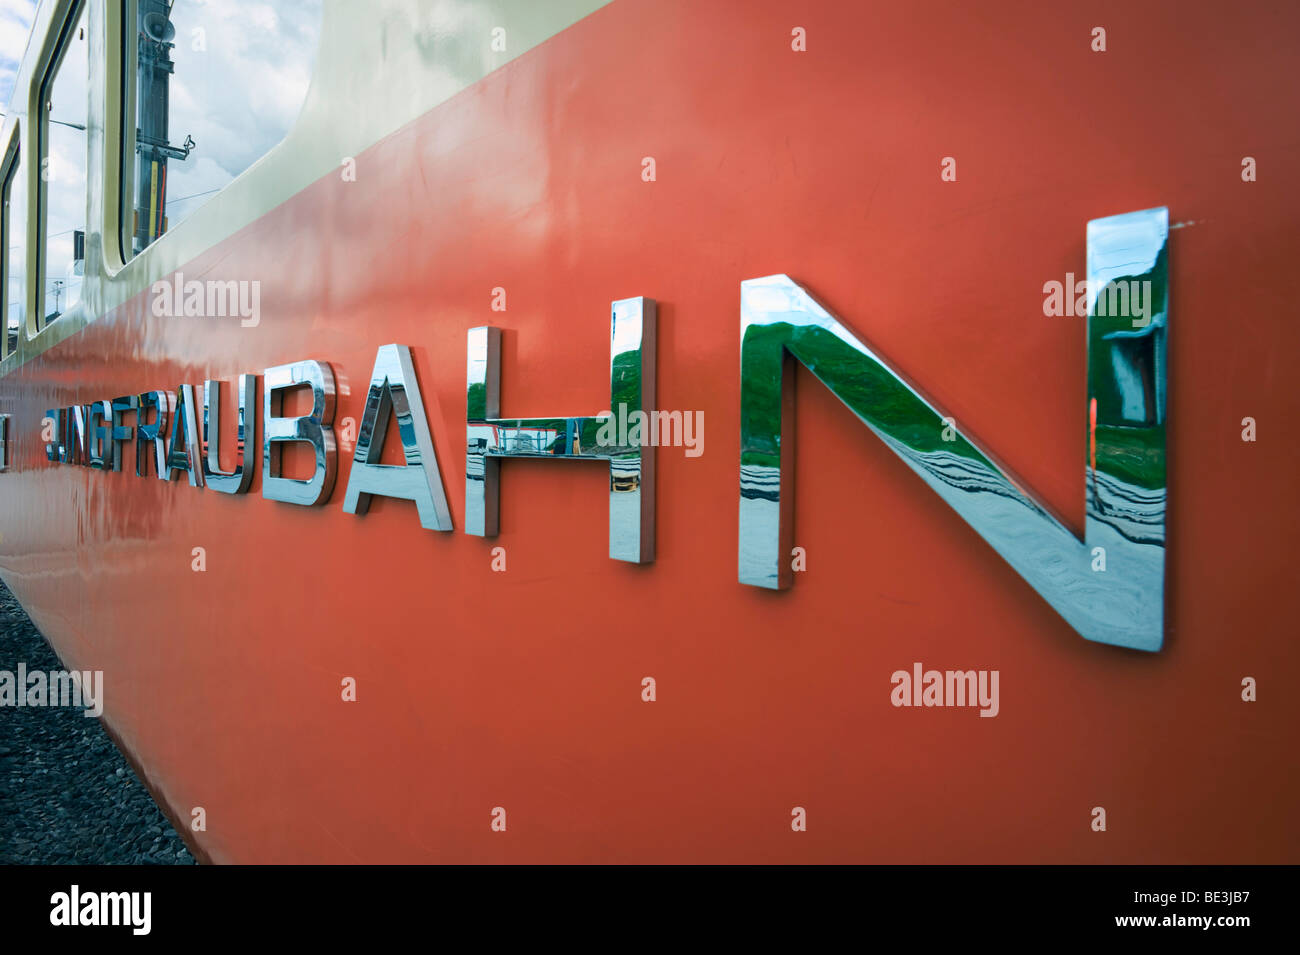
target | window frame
x=10, y=169
x=125, y=47
x=127, y=66
x=67, y=19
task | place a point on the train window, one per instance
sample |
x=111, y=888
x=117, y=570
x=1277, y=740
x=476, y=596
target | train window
x=63, y=169
x=217, y=84
x=13, y=240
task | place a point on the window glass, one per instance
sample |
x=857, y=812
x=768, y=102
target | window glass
x=218, y=83
x=13, y=227
x=63, y=172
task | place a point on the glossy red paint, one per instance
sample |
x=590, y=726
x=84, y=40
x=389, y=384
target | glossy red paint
x=522, y=689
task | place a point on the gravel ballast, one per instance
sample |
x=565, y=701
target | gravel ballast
x=67, y=795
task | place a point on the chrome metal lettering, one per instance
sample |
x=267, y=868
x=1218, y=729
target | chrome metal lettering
x=236, y=481
x=99, y=438
x=394, y=390
x=74, y=435
x=315, y=429
x=127, y=404
x=149, y=440
x=183, y=452
x=54, y=428
x=489, y=437
x=1110, y=586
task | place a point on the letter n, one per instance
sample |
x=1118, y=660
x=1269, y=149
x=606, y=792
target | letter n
x=1124, y=472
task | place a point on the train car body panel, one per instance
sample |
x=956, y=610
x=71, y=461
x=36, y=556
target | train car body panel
x=521, y=689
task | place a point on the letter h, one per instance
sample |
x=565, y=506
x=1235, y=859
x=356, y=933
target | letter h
x=489, y=437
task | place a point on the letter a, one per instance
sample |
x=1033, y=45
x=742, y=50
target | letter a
x=393, y=388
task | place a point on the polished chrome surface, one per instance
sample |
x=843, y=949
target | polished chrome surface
x=394, y=390
x=127, y=404
x=1126, y=487
x=150, y=441
x=489, y=437
x=236, y=481
x=99, y=448
x=184, y=450
x=316, y=429
x=74, y=442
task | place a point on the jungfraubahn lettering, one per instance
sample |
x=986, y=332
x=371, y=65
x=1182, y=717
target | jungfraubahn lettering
x=1108, y=586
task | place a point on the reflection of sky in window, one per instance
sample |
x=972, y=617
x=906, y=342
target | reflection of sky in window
x=15, y=24
x=241, y=75
x=242, y=68
x=65, y=173
x=16, y=236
